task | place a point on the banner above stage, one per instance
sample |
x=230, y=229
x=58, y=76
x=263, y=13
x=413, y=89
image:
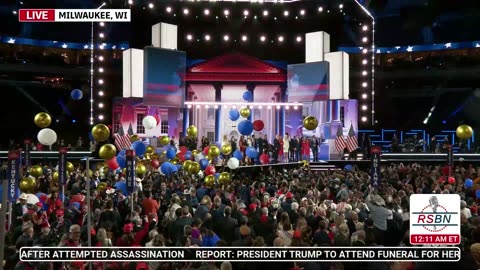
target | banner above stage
x=308, y=82
x=164, y=77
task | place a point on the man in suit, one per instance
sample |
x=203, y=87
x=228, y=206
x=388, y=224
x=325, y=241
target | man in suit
x=19, y=209
x=299, y=148
x=314, y=143
x=293, y=149
x=276, y=148
x=225, y=226
x=259, y=143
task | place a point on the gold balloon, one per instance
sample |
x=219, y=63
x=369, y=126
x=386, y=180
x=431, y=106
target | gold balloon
x=245, y=112
x=192, y=131
x=70, y=167
x=150, y=149
x=194, y=168
x=100, y=165
x=213, y=151
x=194, y=153
x=100, y=132
x=101, y=187
x=226, y=149
x=224, y=178
x=187, y=165
x=310, y=123
x=36, y=171
x=134, y=138
x=174, y=162
x=464, y=132
x=209, y=181
x=107, y=151
x=141, y=170
x=164, y=140
x=42, y=120
x=154, y=156
x=55, y=176
x=28, y=185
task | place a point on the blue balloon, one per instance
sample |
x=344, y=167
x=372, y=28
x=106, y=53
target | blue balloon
x=76, y=94
x=238, y=154
x=468, y=183
x=122, y=185
x=217, y=175
x=234, y=114
x=245, y=127
x=247, y=96
x=348, y=167
x=188, y=155
x=167, y=168
x=171, y=152
x=203, y=163
x=139, y=148
x=251, y=152
x=477, y=193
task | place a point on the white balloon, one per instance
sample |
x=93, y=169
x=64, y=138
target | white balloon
x=200, y=174
x=233, y=163
x=47, y=136
x=199, y=156
x=149, y=122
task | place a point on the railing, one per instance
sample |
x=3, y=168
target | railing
x=75, y=155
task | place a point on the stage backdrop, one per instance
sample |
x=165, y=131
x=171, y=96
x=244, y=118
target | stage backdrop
x=308, y=82
x=164, y=77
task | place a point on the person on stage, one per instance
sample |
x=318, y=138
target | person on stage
x=314, y=143
x=276, y=148
x=286, y=148
x=305, y=149
x=280, y=149
x=293, y=149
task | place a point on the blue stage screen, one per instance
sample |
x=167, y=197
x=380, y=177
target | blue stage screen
x=308, y=82
x=164, y=77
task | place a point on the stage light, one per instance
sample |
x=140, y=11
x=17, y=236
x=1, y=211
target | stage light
x=364, y=39
x=278, y=107
x=91, y=100
x=206, y=106
x=244, y=38
x=100, y=93
x=14, y=12
x=100, y=105
x=364, y=73
x=206, y=12
x=364, y=84
x=168, y=9
x=216, y=106
x=287, y=107
x=101, y=35
x=207, y=37
x=295, y=107
x=364, y=61
x=299, y=39
x=364, y=119
x=100, y=70
x=280, y=39
x=189, y=106
x=234, y=107
x=91, y=119
x=100, y=81
x=260, y=107
x=150, y=5
x=340, y=6
x=245, y=12
x=364, y=51
x=189, y=37
x=364, y=96
x=265, y=13
x=186, y=11
x=286, y=13
x=226, y=12
x=224, y=106
x=364, y=107
x=102, y=24
x=250, y=107
x=130, y=2
x=263, y=38
x=100, y=58
x=226, y=37
x=198, y=106
x=302, y=12
x=365, y=28
x=100, y=117
x=320, y=9
x=269, y=107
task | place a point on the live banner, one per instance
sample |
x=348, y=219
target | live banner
x=130, y=171
x=27, y=143
x=375, y=172
x=450, y=159
x=13, y=174
x=62, y=165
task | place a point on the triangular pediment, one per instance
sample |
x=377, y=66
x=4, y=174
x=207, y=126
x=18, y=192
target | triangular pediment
x=235, y=63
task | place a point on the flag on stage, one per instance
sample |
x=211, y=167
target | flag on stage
x=130, y=130
x=122, y=140
x=340, y=142
x=352, y=141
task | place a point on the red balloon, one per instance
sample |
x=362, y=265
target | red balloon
x=181, y=157
x=183, y=149
x=112, y=164
x=210, y=170
x=155, y=163
x=264, y=159
x=157, y=118
x=258, y=125
x=205, y=150
x=451, y=180
x=441, y=180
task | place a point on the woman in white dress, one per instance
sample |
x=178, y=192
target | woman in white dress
x=286, y=146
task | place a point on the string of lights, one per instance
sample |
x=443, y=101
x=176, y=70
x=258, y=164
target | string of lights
x=96, y=82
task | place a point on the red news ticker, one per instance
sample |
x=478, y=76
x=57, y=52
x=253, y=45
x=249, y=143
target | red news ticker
x=36, y=15
x=432, y=239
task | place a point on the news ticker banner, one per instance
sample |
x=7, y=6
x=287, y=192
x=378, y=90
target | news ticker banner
x=240, y=254
x=74, y=15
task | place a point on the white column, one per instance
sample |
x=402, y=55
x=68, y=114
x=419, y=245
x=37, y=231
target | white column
x=317, y=44
x=132, y=73
x=164, y=36
x=338, y=75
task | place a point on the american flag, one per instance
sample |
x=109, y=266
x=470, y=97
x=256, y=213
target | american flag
x=122, y=140
x=352, y=141
x=340, y=142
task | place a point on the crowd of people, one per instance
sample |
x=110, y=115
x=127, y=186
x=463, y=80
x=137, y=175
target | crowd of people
x=259, y=207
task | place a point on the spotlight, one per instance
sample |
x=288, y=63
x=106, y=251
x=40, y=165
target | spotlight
x=295, y=107
x=189, y=37
x=365, y=28
x=320, y=9
x=364, y=107
x=286, y=13
x=364, y=51
x=365, y=39
x=364, y=84
x=100, y=93
x=207, y=37
x=226, y=37
x=287, y=108
x=130, y=2
x=150, y=5
x=245, y=12
x=280, y=38
x=364, y=61
x=364, y=73
x=206, y=12
x=364, y=96
x=100, y=70
x=244, y=38
x=263, y=38
x=100, y=81
x=101, y=35
x=265, y=13
x=226, y=12
x=198, y=106
x=168, y=9
x=100, y=117
x=100, y=105
x=102, y=24
x=302, y=12
x=186, y=11
x=269, y=107
x=299, y=39
x=278, y=107
x=216, y=106
x=206, y=106
x=340, y=6
x=364, y=119
x=189, y=106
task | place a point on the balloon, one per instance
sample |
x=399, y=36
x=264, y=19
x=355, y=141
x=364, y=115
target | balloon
x=310, y=123
x=238, y=154
x=47, y=136
x=149, y=122
x=121, y=161
x=264, y=159
x=134, y=138
x=247, y=96
x=70, y=167
x=192, y=131
x=100, y=132
x=203, y=163
x=113, y=164
x=258, y=125
x=76, y=94
x=224, y=178
x=213, y=151
x=101, y=187
x=209, y=181
x=171, y=152
x=477, y=194
x=139, y=148
x=217, y=175
x=245, y=112
x=183, y=149
x=210, y=170
x=164, y=140
x=205, y=150
x=451, y=180
x=226, y=149
x=464, y=132
x=150, y=149
x=245, y=127
x=155, y=163
x=107, y=151
x=194, y=168
x=251, y=152
x=233, y=163
x=157, y=119
x=42, y=120
x=140, y=170
x=187, y=165
x=199, y=157
x=188, y=155
x=36, y=171
x=348, y=167
x=28, y=185
x=468, y=183
x=234, y=115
